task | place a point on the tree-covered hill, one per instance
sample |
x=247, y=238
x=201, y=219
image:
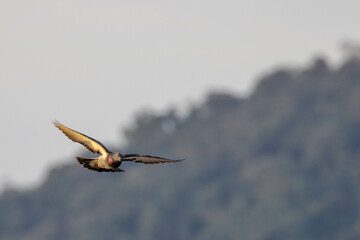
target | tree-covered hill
x=281, y=164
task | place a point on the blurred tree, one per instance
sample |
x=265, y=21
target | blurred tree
x=281, y=164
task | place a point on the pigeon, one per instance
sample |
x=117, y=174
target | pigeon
x=107, y=161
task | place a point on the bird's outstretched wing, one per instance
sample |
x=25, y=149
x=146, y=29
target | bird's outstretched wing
x=90, y=143
x=147, y=159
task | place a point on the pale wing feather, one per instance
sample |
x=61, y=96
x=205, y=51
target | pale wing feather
x=147, y=159
x=90, y=143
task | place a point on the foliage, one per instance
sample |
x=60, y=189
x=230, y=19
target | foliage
x=281, y=164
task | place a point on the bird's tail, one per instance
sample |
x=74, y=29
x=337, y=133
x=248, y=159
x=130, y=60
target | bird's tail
x=84, y=160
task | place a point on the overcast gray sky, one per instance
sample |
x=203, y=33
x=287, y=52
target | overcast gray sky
x=92, y=64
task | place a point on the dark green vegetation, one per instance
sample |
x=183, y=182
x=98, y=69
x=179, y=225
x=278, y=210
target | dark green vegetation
x=282, y=164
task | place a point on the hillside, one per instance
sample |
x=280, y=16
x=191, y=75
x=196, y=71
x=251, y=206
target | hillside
x=281, y=164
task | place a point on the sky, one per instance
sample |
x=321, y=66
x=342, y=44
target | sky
x=93, y=65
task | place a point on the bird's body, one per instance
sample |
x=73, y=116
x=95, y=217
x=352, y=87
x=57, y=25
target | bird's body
x=107, y=161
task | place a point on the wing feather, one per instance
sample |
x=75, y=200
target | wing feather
x=90, y=143
x=98, y=169
x=147, y=159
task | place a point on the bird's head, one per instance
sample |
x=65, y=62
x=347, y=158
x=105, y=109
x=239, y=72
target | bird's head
x=116, y=157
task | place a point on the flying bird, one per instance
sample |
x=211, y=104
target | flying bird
x=107, y=161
